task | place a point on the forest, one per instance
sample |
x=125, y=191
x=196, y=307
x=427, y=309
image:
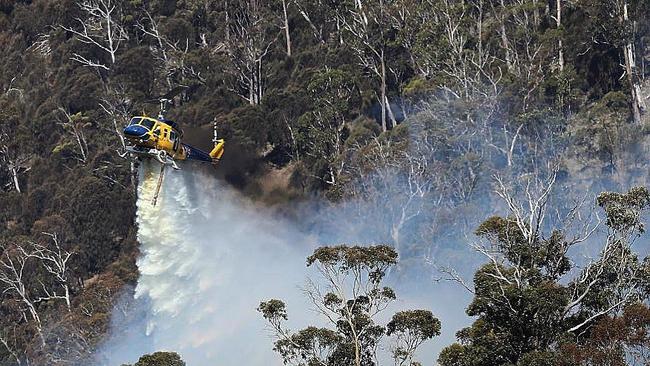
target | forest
x=523, y=123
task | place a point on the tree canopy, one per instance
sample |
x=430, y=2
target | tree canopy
x=350, y=300
x=535, y=306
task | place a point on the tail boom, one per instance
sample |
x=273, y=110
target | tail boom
x=214, y=156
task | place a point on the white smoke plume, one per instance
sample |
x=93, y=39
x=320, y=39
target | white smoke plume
x=209, y=256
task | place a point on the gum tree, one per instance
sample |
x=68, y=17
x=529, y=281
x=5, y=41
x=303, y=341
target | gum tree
x=350, y=297
x=531, y=296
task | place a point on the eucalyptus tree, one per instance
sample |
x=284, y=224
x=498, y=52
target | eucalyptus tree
x=531, y=297
x=350, y=297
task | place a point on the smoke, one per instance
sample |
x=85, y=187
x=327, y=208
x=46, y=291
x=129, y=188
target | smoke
x=209, y=256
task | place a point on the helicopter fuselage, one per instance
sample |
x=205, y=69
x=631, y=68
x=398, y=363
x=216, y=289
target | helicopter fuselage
x=161, y=139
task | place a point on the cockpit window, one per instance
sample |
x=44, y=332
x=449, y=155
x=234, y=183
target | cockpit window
x=147, y=123
x=134, y=121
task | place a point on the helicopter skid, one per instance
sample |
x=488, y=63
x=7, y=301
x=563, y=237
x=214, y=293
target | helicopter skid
x=160, y=155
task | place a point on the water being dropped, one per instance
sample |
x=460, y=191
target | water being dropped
x=208, y=257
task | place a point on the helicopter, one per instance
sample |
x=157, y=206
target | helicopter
x=161, y=139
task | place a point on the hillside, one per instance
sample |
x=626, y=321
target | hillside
x=399, y=113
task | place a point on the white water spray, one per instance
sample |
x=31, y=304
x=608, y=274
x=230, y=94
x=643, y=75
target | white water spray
x=207, y=259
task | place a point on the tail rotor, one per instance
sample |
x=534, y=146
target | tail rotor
x=217, y=150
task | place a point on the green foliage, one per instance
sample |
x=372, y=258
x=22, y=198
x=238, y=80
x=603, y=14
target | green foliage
x=412, y=327
x=417, y=87
x=612, y=340
x=623, y=210
x=353, y=298
x=248, y=126
x=307, y=343
x=135, y=72
x=160, y=359
x=273, y=310
x=354, y=258
x=333, y=91
x=523, y=301
x=603, y=132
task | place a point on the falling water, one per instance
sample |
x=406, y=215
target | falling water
x=208, y=257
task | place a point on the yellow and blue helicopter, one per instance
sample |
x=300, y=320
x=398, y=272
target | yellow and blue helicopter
x=161, y=139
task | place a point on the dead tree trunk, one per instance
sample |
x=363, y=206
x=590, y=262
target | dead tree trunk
x=13, y=280
x=505, y=44
x=101, y=30
x=638, y=105
x=560, y=48
x=287, y=34
x=249, y=44
x=384, y=126
x=15, y=162
x=55, y=261
x=14, y=175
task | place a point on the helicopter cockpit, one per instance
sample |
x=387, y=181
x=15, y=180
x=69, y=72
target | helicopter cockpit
x=138, y=127
x=148, y=124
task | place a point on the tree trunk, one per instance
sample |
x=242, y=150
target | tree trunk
x=14, y=175
x=134, y=177
x=227, y=22
x=67, y=296
x=110, y=38
x=504, y=44
x=81, y=141
x=560, y=50
x=357, y=345
x=394, y=233
x=479, y=28
x=34, y=315
x=634, y=87
x=630, y=71
x=259, y=92
x=393, y=121
x=286, y=27
x=339, y=31
x=504, y=38
x=251, y=88
x=383, y=93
